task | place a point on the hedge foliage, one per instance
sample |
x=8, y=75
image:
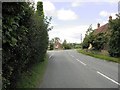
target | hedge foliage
x=25, y=39
x=114, y=43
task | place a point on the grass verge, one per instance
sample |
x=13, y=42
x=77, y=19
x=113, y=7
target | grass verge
x=34, y=77
x=102, y=57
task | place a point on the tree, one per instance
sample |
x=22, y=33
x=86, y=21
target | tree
x=114, y=46
x=89, y=30
x=25, y=39
x=51, y=44
x=40, y=9
x=57, y=39
x=89, y=37
x=66, y=45
x=99, y=41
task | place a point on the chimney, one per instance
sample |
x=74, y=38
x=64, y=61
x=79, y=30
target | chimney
x=98, y=25
x=110, y=18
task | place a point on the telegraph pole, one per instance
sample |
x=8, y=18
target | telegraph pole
x=81, y=37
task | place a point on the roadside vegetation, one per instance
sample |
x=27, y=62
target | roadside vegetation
x=99, y=55
x=25, y=41
x=33, y=77
x=93, y=44
x=64, y=45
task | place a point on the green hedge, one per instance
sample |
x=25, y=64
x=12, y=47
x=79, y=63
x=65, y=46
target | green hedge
x=25, y=39
x=98, y=54
x=114, y=42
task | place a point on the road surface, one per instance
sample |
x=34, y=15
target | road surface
x=69, y=69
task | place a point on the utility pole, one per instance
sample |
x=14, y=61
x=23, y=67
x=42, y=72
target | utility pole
x=81, y=37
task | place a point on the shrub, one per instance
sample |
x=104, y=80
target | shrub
x=25, y=39
x=114, y=46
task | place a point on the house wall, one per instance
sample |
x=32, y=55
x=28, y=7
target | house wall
x=57, y=45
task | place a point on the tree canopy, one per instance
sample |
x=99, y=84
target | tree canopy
x=114, y=42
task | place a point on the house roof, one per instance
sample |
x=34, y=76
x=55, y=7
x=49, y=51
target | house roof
x=101, y=29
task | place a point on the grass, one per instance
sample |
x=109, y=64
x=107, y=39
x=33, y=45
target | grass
x=34, y=77
x=98, y=55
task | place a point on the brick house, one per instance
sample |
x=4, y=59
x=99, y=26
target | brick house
x=101, y=29
x=57, y=45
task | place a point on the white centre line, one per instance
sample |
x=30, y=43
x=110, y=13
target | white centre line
x=81, y=62
x=108, y=78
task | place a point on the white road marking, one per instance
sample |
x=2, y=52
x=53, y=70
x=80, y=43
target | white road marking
x=72, y=55
x=81, y=62
x=108, y=78
x=50, y=56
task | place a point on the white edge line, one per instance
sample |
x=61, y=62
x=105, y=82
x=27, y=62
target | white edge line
x=50, y=56
x=81, y=62
x=108, y=78
x=72, y=55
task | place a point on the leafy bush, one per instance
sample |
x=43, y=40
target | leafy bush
x=99, y=41
x=25, y=39
x=114, y=46
x=85, y=43
x=66, y=45
x=89, y=37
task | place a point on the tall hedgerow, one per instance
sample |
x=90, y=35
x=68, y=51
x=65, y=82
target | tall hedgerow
x=25, y=39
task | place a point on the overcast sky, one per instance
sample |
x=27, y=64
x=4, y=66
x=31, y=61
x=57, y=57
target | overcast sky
x=71, y=18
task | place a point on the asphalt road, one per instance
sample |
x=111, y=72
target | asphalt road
x=69, y=69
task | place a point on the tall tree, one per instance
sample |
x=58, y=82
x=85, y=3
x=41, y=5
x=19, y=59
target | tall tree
x=66, y=45
x=40, y=9
x=57, y=39
x=89, y=37
x=114, y=43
